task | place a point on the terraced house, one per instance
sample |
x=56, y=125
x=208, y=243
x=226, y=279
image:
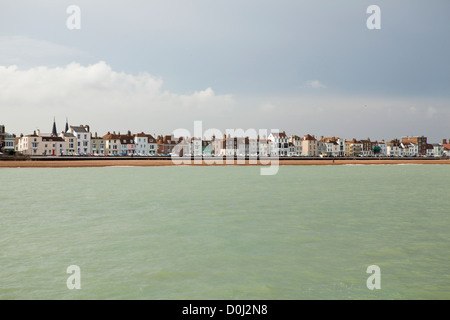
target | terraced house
x=309, y=145
x=71, y=143
x=112, y=143
x=127, y=145
x=145, y=144
x=97, y=145
x=166, y=144
x=83, y=136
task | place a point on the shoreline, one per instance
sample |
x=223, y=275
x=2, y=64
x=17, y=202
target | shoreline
x=158, y=163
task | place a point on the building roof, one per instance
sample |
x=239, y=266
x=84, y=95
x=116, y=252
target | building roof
x=80, y=129
x=50, y=139
x=68, y=135
x=308, y=137
x=126, y=139
x=279, y=134
x=111, y=136
x=170, y=140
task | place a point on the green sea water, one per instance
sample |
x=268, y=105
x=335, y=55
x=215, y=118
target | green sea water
x=309, y=232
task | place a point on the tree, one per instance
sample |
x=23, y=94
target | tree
x=376, y=150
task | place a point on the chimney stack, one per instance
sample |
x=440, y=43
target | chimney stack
x=444, y=141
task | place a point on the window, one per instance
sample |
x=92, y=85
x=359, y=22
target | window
x=85, y=136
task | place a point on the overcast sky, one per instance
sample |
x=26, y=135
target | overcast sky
x=308, y=66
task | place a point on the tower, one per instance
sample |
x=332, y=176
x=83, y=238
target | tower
x=67, y=126
x=54, y=132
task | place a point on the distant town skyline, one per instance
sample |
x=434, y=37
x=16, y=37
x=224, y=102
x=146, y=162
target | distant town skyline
x=305, y=67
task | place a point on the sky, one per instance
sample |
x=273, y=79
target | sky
x=300, y=66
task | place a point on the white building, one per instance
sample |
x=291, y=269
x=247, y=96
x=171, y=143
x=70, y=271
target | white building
x=411, y=149
x=83, y=136
x=395, y=149
x=71, y=143
x=383, y=148
x=10, y=142
x=38, y=145
x=145, y=144
x=297, y=143
x=438, y=150
x=278, y=144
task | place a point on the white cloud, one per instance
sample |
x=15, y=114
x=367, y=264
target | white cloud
x=315, y=84
x=431, y=111
x=104, y=98
x=22, y=50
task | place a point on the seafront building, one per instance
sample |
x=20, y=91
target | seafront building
x=309, y=146
x=278, y=144
x=127, y=145
x=2, y=137
x=145, y=144
x=9, y=143
x=42, y=145
x=421, y=143
x=446, y=147
x=395, y=148
x=83, y=136
x=111, y=143
x=166, y=144
x=78, y=140
x=71, y=143
x=97, y=145
x=296, y=142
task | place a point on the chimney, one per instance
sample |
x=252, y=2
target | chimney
x=87, y=127
x=38, y=132
x=444, y=141
x=129, y=132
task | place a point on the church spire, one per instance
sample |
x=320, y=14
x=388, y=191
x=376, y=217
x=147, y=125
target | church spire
x=67, y=125
x=54, y=132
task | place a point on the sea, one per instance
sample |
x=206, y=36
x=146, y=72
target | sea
x=179, y=233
